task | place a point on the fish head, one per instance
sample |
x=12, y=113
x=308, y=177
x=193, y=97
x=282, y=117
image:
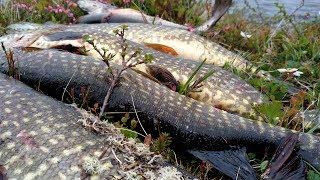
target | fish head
x=18, y=40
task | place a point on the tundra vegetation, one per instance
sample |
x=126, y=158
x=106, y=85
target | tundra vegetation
x=284, y=45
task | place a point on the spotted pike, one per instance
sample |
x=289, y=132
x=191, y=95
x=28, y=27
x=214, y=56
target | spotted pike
x=41, y=138
x=104, y=12
x=223, y=89
x=192, y=124
x=186, y=44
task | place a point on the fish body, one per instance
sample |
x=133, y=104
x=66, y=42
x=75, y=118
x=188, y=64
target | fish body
x=193, y=124
x=188, y=45
x=42, y=138
x=104, y=12
x=223, y=89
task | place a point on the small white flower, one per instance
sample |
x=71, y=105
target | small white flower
x=291, y=70
x=245, y=35
x=297, y=73
x=294, y=71
x=288, y=70
x=282, y=70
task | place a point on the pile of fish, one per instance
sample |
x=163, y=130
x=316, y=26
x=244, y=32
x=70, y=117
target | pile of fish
x=42, y=138
x=207, y=123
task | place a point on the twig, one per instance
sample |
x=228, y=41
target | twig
x=142, y=14
x=126, y=63
x=134, y=107
x=313, y=168
x=65, y=89
x=115, y=156
x=238, y=173
x=103, y=153
x=106, y=99
x=275, y=31
x=175, y=158
x=85, y=97
x=301, y=84
x=153, y=158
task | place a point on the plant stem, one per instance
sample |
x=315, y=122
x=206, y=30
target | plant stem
x=106, y=99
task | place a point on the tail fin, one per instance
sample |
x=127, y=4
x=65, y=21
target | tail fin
x=22, y=27
x=94, y=6
x=233, y=163
x=285, y=163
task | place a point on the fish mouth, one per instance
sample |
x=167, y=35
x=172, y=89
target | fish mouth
x=65, y=41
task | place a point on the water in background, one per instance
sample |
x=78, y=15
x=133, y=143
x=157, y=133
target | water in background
x=268, y=7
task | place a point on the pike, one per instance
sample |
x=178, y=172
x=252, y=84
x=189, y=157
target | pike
x=104, y=12
x=139, y=33
x=186, y=44
x=42, y=138
x=223, y=89
x=193, y=125
x=192, y=47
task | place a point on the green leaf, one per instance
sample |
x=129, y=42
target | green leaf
x=53, y=19
x=196, y=71
x=124, y=27
x=148, y=58
x=272, y=111
x=133, y=124
x=129, y=133
x=124, y=120
x=263, y=165
x=312, y=175
x=251, y=156
x=87, y=38
x=116, y=31
x=206, y=76
x=184, y=87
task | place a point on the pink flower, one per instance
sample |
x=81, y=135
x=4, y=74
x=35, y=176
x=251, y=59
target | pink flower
x=190, y=27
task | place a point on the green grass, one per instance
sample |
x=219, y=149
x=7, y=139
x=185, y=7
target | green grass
x=272, y=50
x=38, y=14
x=193, y=84
x=179, y=11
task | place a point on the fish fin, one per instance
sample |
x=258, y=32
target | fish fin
x=294, y=169
x=220, y=7
x=233, y=163
x=162, y=48
x=286, y=163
